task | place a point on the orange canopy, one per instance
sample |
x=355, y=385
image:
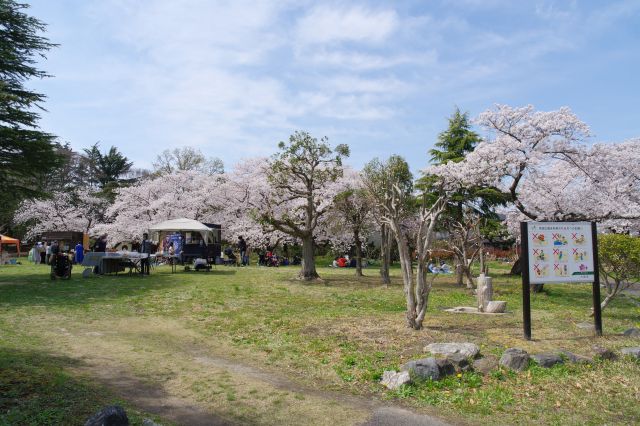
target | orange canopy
x=8, y=240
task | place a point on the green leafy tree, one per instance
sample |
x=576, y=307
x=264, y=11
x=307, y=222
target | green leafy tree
x=619, y=257
x=300, y=176
x=107, y=171
x=455, y=142
x=27, y=154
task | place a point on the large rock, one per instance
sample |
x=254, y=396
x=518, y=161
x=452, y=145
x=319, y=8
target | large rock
x=423, y=369
x=634, y=352
x=604, y=353
x=446, y=367
x=470, y=350
x=485, y=365
x=547, y=360
x=515, y=359
x=109, y=416
x=632, y=332
x=496, y=307
x=574, y=358
x=393, y=380
x=460, y=362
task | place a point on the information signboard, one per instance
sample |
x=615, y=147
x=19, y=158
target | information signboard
x=560, y=252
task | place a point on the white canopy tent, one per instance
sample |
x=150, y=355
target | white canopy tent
x=182, y=225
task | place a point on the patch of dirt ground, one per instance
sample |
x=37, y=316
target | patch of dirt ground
x=172, y=372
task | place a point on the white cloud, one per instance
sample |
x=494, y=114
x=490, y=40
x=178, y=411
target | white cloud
x=234, y=77
x=358, y=61
x=328, y=24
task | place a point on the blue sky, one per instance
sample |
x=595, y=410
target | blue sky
x=235, y=77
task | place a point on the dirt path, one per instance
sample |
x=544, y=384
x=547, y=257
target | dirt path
x=153, y=399
x=182, y=379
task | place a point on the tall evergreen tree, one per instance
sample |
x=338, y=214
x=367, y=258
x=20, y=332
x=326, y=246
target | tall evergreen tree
x=27, y=154
x=107, y=171
x=470, y=211
x=455, y=142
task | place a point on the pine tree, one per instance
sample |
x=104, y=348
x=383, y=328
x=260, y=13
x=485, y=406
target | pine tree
x=27, y=154
x=455, y=142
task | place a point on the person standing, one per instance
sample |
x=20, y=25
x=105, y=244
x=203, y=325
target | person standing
x=242, y=246
x=42, y=250
x=145, y=248
x=36, y=253
x=47, y=253
x=53, y=256
x=79, y=253
x=101, y=244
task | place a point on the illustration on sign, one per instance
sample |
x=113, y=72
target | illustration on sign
x=560, y=252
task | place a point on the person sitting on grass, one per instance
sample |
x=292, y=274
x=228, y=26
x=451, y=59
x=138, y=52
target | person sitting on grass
x=444, y=268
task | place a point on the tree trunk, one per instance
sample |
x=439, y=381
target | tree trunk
x=356, y=237
x=423, y=288
x=612, y=291
x=459, y=270
x=407, y=279
x=308, y=270
x=467, y=273
x=385, y=254
x=516, y=269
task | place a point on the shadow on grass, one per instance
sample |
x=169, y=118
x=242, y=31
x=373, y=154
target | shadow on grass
x=212, y=272
x=35, y=390
x=20, y=289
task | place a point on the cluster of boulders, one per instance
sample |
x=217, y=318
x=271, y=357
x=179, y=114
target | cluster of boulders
x=453, y=358
x=457, y=357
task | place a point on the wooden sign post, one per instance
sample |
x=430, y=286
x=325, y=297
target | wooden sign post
x=559, y=252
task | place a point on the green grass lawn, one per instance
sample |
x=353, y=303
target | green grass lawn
x=336, y=335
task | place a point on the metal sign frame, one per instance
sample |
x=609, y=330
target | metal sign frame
x=526, y=279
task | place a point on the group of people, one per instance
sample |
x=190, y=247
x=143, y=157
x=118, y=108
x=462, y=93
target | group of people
x=43, y=252
x=230, y=257
x=442, y=269
x=344, y=262
x=272, y=259
x=144, y=246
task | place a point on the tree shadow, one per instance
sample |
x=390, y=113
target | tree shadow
x=20, y=289
x=35, y=389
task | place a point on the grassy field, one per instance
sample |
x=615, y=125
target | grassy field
x=255, y=346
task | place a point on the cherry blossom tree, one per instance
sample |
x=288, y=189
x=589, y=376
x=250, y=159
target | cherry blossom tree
x=244, y=192
x=187, y=194
x=298, y=191
x=77, y=211
x=350, y=219
x=187, y=158
x=542, y=161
